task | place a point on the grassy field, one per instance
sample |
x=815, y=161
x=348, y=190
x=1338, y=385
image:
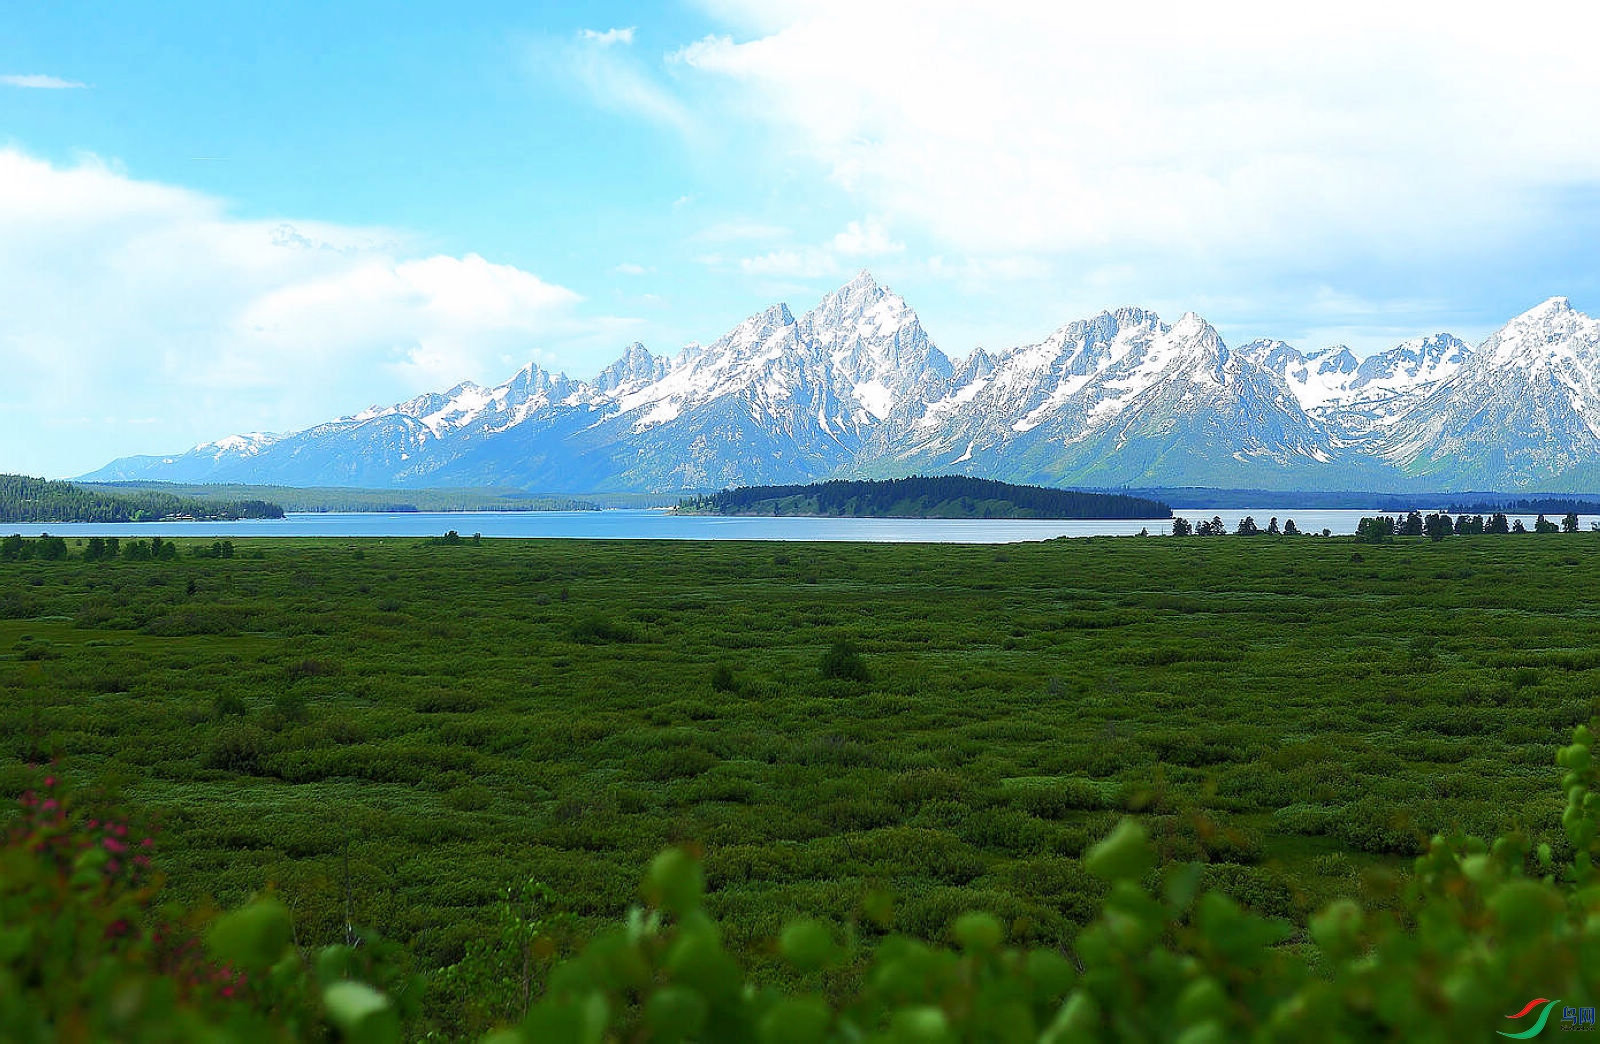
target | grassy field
x=407, y=730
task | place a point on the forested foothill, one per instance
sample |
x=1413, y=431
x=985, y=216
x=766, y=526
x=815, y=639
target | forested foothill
x=1099, y=789
x=25, y=499
x=937, y=496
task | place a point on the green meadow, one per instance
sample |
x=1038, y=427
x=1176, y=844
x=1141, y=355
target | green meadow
x=395, y=732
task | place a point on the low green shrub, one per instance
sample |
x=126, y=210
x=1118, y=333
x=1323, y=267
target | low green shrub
x=86, y=952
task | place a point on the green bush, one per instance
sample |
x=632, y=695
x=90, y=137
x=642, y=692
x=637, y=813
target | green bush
x=843, y=663
x=597, y=630
x=87, y=953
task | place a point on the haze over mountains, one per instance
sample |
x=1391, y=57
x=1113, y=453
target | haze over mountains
x=855, y=388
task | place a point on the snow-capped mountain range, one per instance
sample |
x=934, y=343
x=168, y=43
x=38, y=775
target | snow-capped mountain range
x=855, y=387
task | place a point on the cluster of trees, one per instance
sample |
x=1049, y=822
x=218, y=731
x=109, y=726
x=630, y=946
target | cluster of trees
x=1247, y=527
x=47, y=548
x=344, y=499
x=27, y=499
x=939, y=496
x=17, y=548
x=1477, y=929
x=453, y=539
x=1532, y=506
x=1438, y=525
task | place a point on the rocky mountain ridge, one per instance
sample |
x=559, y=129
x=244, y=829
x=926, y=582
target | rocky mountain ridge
x=855, y=387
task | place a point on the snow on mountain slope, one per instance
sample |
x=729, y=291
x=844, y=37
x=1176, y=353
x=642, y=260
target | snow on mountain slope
x=779, y=398
x=1121, y=397
x=1182, y=408
x=1522, y=412
x=855, y=386
x=1359, y=399
x=990, y=400
x=1317, y=379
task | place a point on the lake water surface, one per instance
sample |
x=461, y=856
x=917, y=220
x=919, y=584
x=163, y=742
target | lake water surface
x=658, y=524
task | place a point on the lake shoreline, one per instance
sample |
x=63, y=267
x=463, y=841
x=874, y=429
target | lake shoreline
x=662, y=524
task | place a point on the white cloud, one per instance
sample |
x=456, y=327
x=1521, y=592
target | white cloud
x=1218, y=134
x=866, y=239
x=608, y=37
x=860, y=240
x=36, y=81
x=631, y=269
x=803, y=263
x=122, y=300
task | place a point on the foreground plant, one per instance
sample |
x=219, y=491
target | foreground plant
x=1477, y=931
x=90, y=952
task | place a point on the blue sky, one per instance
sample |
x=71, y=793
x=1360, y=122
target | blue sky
x=215, y=218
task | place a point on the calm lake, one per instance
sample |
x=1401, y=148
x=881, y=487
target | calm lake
x=658, y=524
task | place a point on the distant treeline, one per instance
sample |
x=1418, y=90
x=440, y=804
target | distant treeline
x=47, y=548
x=1469, y=501
x=1533, y=506
x=1191, y=497
x=1438, y=525
x=340, y=498
x=938, y=496
x=25, y=499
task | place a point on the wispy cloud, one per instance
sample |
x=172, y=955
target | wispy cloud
x=608, y=37
x=802, y=263
x=604, y=65
x=631, y=269
x=859, y=240
x=40, y=82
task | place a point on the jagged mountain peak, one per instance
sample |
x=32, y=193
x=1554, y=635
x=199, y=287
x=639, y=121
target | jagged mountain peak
x=1420, y=358
x=860, y=293
x=1552, y=333
x=1192, y=338
x=1548, y=307
x=1554, y=312
x=862, y=307
x=755, y=334
x=861, y=281
x=1132, y=315
x=854, y=385
x=1291, y=363
x=635, y=365
x=978, y=364
x=1336, y=358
